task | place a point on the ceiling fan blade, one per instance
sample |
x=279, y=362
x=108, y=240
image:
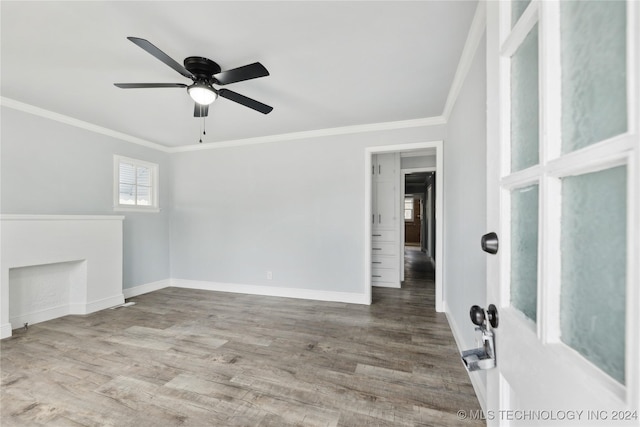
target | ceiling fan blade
x=147, y=85
x=200, y=110
x=247, y=72
x=150, y=48
x=247, y=102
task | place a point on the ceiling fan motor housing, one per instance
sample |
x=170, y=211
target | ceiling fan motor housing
x=202, y=68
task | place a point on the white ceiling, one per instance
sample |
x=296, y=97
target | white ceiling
x=332, y=63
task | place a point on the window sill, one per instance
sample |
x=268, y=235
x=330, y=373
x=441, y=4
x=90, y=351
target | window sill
x=149, y=209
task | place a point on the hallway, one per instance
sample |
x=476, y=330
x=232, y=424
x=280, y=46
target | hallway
x=417, y=266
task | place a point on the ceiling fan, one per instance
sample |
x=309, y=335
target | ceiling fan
x=205, y=73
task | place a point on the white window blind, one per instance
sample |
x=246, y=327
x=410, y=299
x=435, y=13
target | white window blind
x=408, y=209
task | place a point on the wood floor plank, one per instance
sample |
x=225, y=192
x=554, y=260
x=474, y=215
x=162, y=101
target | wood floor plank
x=198, y=358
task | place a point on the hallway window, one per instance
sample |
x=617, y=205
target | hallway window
x=408, y=209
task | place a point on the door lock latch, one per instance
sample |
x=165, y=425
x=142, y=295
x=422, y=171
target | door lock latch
x=483, y=357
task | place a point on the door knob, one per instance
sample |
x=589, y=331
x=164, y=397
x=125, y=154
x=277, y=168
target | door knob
x=490, y=243
x=492, y=314
x=479, y=315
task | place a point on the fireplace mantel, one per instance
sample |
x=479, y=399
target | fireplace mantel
x=89, y=245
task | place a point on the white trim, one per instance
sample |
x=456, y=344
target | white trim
x=368, y=152
x=146, y=288
x=29, y=217
x=345, y=130
x=309, y=294
x=387, y=285
x=368, y=211
x=494, y=92
x=51, y=313
x=478, y=386
x=39, y=316
x=97, y=305
x=37, y=111
x=521, y=30
x=476, y=31
x=5, y=331
x=633, y=227
x=149, y=209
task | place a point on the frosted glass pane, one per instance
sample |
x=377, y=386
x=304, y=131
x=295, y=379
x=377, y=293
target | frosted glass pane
x=517, y=9
x=593, y=243
x=524, y=250
x=594, y=100
x=524, y=103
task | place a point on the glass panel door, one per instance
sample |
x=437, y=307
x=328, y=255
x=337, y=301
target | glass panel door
x=563, y=88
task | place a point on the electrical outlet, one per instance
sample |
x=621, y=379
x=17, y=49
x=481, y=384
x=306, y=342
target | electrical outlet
x=269, y=275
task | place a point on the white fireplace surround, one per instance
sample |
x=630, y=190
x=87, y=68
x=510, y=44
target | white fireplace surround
x=54, y=265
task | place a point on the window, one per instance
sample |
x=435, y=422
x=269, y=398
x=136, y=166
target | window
x=135, y=185
x=408, y=209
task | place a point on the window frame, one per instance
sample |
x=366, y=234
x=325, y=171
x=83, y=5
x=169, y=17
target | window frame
x=413, y=213
x=154, y=188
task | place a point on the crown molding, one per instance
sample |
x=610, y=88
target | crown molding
x=476, y=31
x=37, y=111
x=344, y=130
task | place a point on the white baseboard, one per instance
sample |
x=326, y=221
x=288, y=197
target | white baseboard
x=93, y=306
x=5, y=330
x=146, y=288
x=348, y=297
x=38, y=316
x=62, y=310
x=478, y=385
x=386, y=285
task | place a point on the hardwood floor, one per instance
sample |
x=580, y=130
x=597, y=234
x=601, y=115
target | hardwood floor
x=199, y=358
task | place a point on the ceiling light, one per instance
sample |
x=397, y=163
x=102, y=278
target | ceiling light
x=202, y=93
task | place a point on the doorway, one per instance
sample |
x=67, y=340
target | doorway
x=435, y=149
x=420, y=207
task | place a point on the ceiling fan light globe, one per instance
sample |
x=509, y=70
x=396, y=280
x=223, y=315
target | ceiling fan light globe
x=202, y=94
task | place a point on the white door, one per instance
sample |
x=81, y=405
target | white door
x=563, y=192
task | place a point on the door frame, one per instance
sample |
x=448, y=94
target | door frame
x=398, y=148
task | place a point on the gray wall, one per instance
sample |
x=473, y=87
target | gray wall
x=465, y=201
x=295, y=208
x=417, y=162
x=49, y=167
